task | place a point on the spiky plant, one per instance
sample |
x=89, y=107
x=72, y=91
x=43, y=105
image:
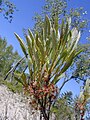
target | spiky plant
x=48, y=54
x=83, y=99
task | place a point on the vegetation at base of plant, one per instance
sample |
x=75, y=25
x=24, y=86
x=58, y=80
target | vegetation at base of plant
x=11, y=85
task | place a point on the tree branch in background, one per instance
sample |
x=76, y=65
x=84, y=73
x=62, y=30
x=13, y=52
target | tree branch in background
x=7, y=8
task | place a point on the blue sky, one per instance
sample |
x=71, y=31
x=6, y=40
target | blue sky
x=23, y=19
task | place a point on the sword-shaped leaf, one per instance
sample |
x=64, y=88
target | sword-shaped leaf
x=37, y=60
x=48, y=45
x=48, y=25
x=31, y=36
x=54, y=39
x=40, y=46
x=24, y=78
x=30, y=51
x=56, y=25
x=18, y=79
x=64, y=68
x=62, y=30
x=21, y=44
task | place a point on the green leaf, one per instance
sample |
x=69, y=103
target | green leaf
x=23, y=77
x=60, y=42
x=65, y=67
x=67, y=29
x=63, y=55
x=78, y=52
x=62, y=30
x=56, y=25
x=29, y=66
x=48, y=25
x=42, y=37
x=54, y=39
x=48, y=43
x=69, y=61
x=34, y=70
x=37, y=60
x=30, y=51
x=21, y=44
x=31, y=36
x=53, y=50
x=40, y=47
x=19, y=80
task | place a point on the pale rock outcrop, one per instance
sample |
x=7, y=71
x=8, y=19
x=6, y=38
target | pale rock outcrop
x=16, y=107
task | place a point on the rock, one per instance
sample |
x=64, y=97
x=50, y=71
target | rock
x=15, y=107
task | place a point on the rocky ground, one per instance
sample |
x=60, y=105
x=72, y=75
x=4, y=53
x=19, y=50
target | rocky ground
x=15, y=107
